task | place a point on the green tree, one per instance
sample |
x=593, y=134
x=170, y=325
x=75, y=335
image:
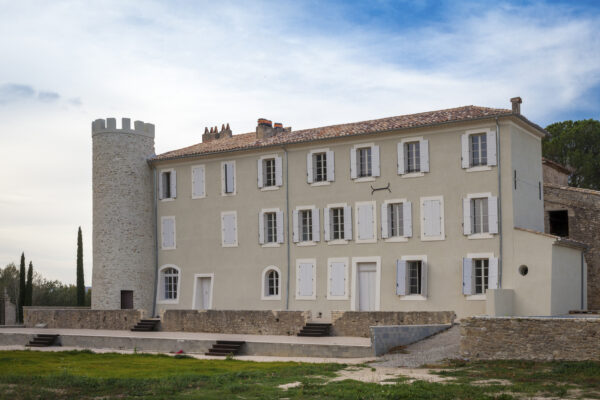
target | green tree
x=29, y=286
x=22, y=289
x=80, y=280
x=9, y=281
x=577, y=145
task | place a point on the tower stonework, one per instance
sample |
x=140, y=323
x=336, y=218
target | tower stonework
x=123, y=215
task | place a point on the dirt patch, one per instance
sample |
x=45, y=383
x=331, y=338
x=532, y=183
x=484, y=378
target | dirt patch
x=490, y=382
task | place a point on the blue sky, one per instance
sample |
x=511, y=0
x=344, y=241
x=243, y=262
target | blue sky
x=184, y=65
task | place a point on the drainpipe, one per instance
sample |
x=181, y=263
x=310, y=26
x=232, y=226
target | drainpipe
x=287, y=219
x=499, y=203
x=155, y=244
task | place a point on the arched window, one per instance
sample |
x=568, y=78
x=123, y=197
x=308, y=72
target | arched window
x=169, y=283
x=271, y=283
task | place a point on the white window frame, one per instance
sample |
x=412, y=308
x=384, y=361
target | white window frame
x=354, y=291
x=482, y=296
x=223, y=193
x=223, y=244
x=417, y=297
x=160, y=174
x=312, y=261
x=262, y=160
x=483, y=235
x=442, y=235
x=371, y=178
x=478, y=168
x=312, y=242
x=311, y=154
x=373, y=204
x=263, y=295
x=328, y=208
x=396, y=239
x=402, y=145
x=212, y=292
x=346, y=261
x=262, y=215
x=162, y=219
x=203, y=168
x=160, y=286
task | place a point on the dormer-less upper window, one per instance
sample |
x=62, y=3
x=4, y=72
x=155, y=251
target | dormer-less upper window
x=364, y=162
x=167, y=184
x=363, y=156
x=478, y=150
x=269, y=172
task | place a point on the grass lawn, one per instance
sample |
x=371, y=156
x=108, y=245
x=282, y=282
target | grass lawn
x=83, y=374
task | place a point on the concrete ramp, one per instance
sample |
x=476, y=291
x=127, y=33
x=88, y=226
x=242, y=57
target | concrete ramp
x=384, y=338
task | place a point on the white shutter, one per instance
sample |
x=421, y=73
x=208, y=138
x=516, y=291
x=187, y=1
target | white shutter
x=330, y=166
x=468, y=276
x=173, y=184
x=424, y=278
x=493, y=273
x=259, y=171
x=230, y=177
x=326, y=226
x=261, y=228
x=365, y=221
x=309, y=168
x=493, y=214
x=401, y=277
x=353, y=163
x=432, y=217
x=491, y=148
x=305, y=280
x=464, y=144
x=385, y=229
x=278, y=172
x=467, y=216
x=424, y=153
x=337, y=279
x=401, y=158
x=197, y=181
x=279, y=216
x=168, y=233
x=348, y=223
x=160, y=186
x=375, y=169
x=295, y=233
x=316, y=227
x=228, y=226
x=407, y=218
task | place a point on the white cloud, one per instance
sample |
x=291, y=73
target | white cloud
x=183, y=66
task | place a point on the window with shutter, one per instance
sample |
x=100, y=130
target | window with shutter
x=337, y=279
x=480, y=273
x=168, y=233
x=480, y=215
x=364, y=162
x=432, y=218
x=198, y=177
x=411, y=278
x=305, y=279
x=228, y=177
x=229, y=229
x=270, y=227
x=365, y=222
x=337, y=223
x=478, y=149
x=167, y=184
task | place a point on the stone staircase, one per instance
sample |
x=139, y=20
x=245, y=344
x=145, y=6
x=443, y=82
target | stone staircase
x=146, y=325
x=42, y=340
x=224, y=348
x=315, y=329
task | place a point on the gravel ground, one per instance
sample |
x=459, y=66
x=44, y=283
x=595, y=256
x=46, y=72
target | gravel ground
x=445, y=345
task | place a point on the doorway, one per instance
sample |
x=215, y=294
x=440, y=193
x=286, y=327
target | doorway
x=126, y=299
x=367, y=278
x=203, y=286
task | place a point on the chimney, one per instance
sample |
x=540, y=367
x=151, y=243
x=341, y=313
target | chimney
x=215, y=134
x=278, y=127
x=264, y=129
x=516, y=105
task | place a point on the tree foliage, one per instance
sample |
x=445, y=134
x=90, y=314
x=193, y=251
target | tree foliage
x=29, y=286
x=577, y=145
x=80, y=280
x=22, y=288
x=9, y=281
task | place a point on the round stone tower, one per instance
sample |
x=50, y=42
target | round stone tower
x=123, y=215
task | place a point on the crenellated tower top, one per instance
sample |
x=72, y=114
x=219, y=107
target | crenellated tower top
x=110, y=125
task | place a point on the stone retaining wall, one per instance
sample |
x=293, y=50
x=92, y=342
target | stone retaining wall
x=233, y=321
x=486, y=338
x=357, y=323
x=81, y=318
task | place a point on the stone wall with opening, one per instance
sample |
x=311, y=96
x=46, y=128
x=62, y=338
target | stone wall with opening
x=357, y=323
x=80, y=318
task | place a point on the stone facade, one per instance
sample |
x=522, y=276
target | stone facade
x=236, y=322
x=486, y=338
x=583, y=208
x=357, y=323
x=123, y=214
x=555, y=172
x=81, y=318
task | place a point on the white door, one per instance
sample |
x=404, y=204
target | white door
x=203, y=295
x=366, y=286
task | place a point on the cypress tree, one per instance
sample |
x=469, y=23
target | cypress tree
x=29, y=287
x=22, y=288
x=80, y=281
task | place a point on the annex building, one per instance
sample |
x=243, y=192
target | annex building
x=441, y=210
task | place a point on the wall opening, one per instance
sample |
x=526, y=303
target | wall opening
x=126, y=299
x=559, y=222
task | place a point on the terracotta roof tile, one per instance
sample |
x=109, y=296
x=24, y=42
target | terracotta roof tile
x=249, y=140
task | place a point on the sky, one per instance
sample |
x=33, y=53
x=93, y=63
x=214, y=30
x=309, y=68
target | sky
x=184, y=65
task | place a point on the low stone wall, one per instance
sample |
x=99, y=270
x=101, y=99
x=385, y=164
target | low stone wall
x=357, y=323
x=530, y=338
x=233, y=321
x=81, y=318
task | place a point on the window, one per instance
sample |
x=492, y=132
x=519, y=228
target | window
x=306, y=225
x=559, y=222
x=432, y=218
x=366, y=228
x=320, y=166
x=478, y=149
x=167, y=184
x=411, y=275
x=228, y=177
x=168, y=233
x=337, y=279
x=198, y=190
x=480, y=273
x=337, y=223
x=478, y=146
x=364, y=161
x=170, y=277
x=306, y=279
x=269, y=172
x=270, y=229
x=395, y=218
x=271, y=283
x=481, y=269
x=414, y=277
x=413, y=157
x=229, y=229
x=479, y=212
